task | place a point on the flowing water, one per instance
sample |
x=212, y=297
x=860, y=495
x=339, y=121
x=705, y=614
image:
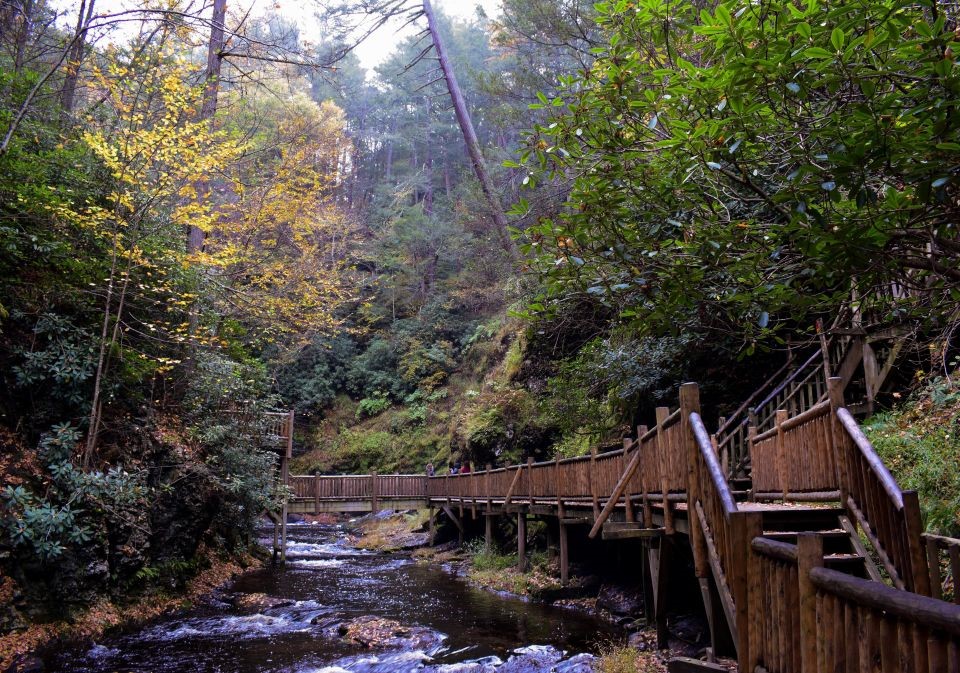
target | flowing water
x=453, y=626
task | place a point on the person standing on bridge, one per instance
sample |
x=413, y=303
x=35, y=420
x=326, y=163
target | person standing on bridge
x=430, y=470
x=466, y=468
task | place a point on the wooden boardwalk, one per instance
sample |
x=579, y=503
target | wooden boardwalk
x=819, y=564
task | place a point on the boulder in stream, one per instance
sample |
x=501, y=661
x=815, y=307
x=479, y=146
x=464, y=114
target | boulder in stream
x=377, y=632
x=259, y=602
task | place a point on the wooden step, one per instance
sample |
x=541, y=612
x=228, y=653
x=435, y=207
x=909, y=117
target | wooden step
x=800, y=518
x=688, y=665
x=852, y=564
x=835, y=541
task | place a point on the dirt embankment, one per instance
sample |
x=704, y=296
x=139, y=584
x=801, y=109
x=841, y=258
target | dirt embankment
x=17, y=648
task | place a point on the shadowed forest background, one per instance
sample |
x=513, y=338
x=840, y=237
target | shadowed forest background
x=214, y=215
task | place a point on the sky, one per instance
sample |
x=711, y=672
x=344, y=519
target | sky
x=376, y=49
x=371, y=53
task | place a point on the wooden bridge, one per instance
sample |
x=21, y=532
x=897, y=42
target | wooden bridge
x=818, y=562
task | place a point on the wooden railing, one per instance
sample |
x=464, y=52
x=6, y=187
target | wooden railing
x=719, y=531
x=868, y=626
x=808, y=618
x=943, y=562
x=889, y=517
x=358, y=487
x=795, y=458
x=774, y=637
x=271, y=428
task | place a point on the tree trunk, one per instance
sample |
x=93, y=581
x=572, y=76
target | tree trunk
x=469, y=134
x=17, y=26
x=214, y=60
x=448, y=187
x=428, y=165
x=388, y=173
x=68, y=93
x=211, y=90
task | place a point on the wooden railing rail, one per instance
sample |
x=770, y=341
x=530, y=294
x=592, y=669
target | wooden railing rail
x=863, y=625
x=720, y=532
x=889, y=517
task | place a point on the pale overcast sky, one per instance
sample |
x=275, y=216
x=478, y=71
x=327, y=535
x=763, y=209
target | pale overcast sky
x=378, y=47
x=371, y=53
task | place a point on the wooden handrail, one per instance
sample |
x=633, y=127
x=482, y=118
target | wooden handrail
x=783, y=551
x=889, y=484
x=909, y=606
x=731, y=420
x=713, y=465
x=787, y=381
x=816, y=411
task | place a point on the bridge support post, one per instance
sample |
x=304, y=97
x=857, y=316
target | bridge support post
x=488, y=532
x=552, y=542
x=285, y=475
x=659, y=562
x=432, y=535
x=522, y=540
x=721, y=641
x=564, y=556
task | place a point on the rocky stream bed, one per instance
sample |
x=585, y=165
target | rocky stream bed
x=338, y=608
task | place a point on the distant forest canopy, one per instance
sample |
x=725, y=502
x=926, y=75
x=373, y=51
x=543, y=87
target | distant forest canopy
x=224, y=213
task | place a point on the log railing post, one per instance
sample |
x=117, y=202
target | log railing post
x=486, y=487
x=373, y=492
x=913, y=523
x=743, y=528
x=662, y=414
x=530, y=480
x=592, y=478
x=558, y=488
x=627, y=501
x=751, y=434
x=838, y=441
x=809, y=556
x=783, y=469
x=690, y=404
x=290, y=418
x=316, y=494
x=647, y=510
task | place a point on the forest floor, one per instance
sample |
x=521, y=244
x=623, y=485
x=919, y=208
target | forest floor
x=106, y=616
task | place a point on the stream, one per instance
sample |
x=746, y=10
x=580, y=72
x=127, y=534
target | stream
x=448, y=625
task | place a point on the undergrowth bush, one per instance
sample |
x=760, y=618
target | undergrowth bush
x=619, y=658
x=920, y=444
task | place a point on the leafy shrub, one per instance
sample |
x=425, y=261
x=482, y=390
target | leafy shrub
x=319, y=372
x=920, y=444
x=376, y=370
x=73, y=504
x=62, y=359
x=371, y=406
